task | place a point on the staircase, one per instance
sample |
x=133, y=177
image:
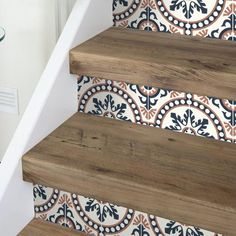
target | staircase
x=137, y=166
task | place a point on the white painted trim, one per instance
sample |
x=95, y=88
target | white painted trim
x=54, y=101
x=63, y=9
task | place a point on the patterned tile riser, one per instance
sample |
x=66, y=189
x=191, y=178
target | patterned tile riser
x=194, y=114
x=211, y=18
x=101, y=218
x=178, y=111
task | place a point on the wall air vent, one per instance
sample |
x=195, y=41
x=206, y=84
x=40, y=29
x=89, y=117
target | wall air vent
x=8, y=100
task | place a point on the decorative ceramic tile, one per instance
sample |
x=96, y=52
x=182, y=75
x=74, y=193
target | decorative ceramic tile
x=102, y=218
x=197, y=115
x=162, y=103
x=169, y=16
x=234, y=122
x=131, y=13
x=138, y=225
x=130, y=102
x=234, y=21
x=166, y=109
x=205, y=18
x=79, y=220
x=215, y=20
x=170, y=110
x=94, y=96
x=117, y=100
x=172, y=228
x=47, y=204
x=215, y=116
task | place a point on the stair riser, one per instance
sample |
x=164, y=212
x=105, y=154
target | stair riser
x=90, y=213
x=199, y=115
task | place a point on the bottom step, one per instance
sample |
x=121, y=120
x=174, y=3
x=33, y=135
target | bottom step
x=168, y=174
x=42, y=228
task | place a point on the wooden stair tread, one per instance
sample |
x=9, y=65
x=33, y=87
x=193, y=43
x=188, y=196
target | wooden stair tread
x=170, y=61
x=172, y=175
x=43, y=228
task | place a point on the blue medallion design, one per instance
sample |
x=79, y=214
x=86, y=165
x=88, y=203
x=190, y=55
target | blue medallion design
x=192, y=116
x=95, y=217
x=39, y=191
x=188, y=123
x=109, y=108
x=123, y=9
x=102, y=216
x=174, y=228
x=45, y=198
x=64, y=215
x=102, y=210
x=142, y=22
x=124, y=12
x=109, y=100
x=188, y=7
x=225, y=30
x=142, y=226
x=164, y=227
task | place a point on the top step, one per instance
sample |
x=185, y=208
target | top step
x=182, y=63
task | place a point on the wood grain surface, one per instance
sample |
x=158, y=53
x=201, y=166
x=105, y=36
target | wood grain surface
x=173, y=175
x=182, y=63
x=42, y=228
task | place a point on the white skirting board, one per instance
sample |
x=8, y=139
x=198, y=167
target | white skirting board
x=54, y=100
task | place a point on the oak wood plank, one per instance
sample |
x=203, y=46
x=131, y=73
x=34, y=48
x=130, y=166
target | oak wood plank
x=189, y=64
x=43, y=228
x=172, y=175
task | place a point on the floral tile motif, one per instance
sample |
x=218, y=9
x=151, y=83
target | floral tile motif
x=131, y=13
x=192, y=114
x=217, y=116
x=162, y=103
x=102, y=218
x=177, y=111
x=168, y=16
x=132, y=101
x=116, y=100
x=205, y=18
x=170, y=110
x=172, y=228
x=76, y=219
x=47, y=204
x=139, y=226
x=197, y=115
x=94, y=96
x=216, y=22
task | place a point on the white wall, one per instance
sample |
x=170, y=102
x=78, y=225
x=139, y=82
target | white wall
x=32, y=28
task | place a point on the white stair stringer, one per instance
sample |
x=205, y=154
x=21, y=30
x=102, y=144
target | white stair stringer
x=54, y=100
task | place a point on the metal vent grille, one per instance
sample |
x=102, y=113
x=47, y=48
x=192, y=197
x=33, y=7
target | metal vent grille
x=8, y=100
